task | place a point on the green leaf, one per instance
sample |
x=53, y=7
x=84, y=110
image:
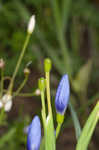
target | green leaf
x=66, y=12
x=75, y=120
x=5, y=138
x=50, y=134
x=88, y=129
x=81, y=81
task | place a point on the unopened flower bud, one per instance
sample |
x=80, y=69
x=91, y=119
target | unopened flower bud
x=2, y=63
x=26, y=71
x=47, y=65
x=41, y=84
x=31, y=24
x=7, y=102
x=62, y=95
x=34, y=135
x=37, y=92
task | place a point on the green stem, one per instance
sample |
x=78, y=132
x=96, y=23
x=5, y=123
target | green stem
x=43, y=103
x=48, y=91
x=22, y=94
x=43, y=112
x=25, y=94
x=58, y=129
x=2, y=82
x=2, y=115
x=21, y=86
x=18, y=64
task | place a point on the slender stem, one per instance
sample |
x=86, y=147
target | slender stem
x=21, y=86
x=43, y=102
x=22, y=94
x=2, y=115
x=2, y=82
x=43, y=111
x=58, y=129
x=18, y=63
x=25, y=94
x=48, y=91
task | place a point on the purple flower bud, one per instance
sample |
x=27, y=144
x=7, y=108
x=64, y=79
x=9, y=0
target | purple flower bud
x=62, y=95
x=34, y=134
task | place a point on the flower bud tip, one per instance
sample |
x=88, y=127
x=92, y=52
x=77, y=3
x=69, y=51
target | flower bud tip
x=31, y=24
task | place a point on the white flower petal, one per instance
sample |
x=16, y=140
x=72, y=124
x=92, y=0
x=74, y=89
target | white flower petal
x=8, y=106
x=1, y=105
x=31, y=24
x=6, y=98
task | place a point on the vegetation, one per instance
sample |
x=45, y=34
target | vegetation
x=67, y=33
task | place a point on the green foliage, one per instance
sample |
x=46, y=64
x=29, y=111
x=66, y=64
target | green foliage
x=82, y=78
x=61, y=30
x=88, y=129
x=75, y=120
x=15, y=137
x=49, y=134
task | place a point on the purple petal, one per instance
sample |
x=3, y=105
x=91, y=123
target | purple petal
x=34, y=134
x=62, y=95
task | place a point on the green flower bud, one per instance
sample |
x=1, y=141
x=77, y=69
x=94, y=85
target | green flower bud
x=47, y=65
x=41, y=84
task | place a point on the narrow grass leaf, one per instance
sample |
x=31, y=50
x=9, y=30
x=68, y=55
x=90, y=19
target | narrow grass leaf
x=75, y=120
x=88, y=129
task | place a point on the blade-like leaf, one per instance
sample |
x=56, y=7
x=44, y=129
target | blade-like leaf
x=88, y=129
x=82, y=78
x=75, y=120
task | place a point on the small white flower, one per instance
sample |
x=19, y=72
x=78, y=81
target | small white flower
x=6, y=102
x=6, y=98
x=31, y=24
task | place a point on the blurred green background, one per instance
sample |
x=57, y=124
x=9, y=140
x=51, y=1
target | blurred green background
x=66, y=31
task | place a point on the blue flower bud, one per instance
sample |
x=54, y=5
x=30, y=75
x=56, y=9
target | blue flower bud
x=34, y=134
x=62, y=95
